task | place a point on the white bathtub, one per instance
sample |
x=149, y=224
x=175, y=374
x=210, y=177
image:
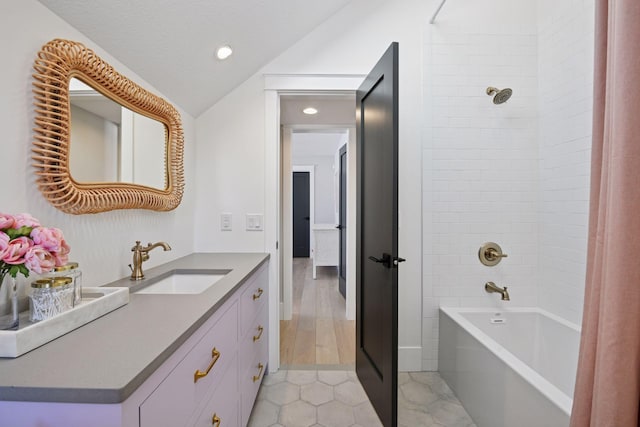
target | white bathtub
x=510, y=368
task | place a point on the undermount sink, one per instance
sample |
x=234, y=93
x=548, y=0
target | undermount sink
x=184, y=283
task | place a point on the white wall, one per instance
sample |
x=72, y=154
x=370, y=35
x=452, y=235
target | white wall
x=230, y=168
x=320, y=149
x=101, y=243
x=517, y=173
x=565, y=53
x=324, y=190
x=231, y=138
x=480, y=159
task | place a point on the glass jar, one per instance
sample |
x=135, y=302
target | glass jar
x=50, y=297
x=72, y=270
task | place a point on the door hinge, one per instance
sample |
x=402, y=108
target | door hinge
x=276, y=245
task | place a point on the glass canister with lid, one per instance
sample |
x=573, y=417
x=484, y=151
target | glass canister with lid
x=72, y=270
x=50, y=297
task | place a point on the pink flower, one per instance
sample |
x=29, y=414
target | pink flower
x=6, y=221
x=38, y=260
x=4, y=243
x=60, y=260
x=25, y=220
x=16, y=249
x=49, y=238
x=62, y=256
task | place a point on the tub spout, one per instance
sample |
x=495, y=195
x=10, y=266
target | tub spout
x=492, y=287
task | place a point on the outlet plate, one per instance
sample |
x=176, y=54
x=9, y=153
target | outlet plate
x=226, y=221
x=254, y=222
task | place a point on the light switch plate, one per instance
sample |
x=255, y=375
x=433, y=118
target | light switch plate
x=254, y=222
x=226, y=220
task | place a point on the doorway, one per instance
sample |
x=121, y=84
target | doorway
x=301, y=213
x=317, y=331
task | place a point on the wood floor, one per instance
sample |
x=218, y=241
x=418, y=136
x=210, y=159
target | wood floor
x=318, y=333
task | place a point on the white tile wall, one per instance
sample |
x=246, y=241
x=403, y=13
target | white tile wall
x=480, y=173
x=517, y=174
x=565, y=54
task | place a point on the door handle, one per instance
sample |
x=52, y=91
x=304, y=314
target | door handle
x=398, y=260
x=306, y=218
x=339, y=227
x=385, y=260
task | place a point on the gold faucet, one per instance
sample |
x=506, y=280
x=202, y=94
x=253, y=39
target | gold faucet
x=140, y=255
x=491, y=287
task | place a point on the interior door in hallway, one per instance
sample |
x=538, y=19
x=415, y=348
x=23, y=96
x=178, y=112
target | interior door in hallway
x=342, y=224
x=377, y=236
x=301, y=215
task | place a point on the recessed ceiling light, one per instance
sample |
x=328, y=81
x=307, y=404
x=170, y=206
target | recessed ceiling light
x=224, y=52
x=310, y=111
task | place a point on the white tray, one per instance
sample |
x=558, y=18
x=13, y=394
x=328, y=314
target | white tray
x=95, y=302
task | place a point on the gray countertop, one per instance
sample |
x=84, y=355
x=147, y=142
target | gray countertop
x=106, y=360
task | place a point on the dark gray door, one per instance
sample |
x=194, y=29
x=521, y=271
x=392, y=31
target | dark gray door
x=377, y=236
x=301, y=214
x=342, y=226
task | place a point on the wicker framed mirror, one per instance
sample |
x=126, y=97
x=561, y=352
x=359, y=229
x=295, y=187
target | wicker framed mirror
x=58, y=62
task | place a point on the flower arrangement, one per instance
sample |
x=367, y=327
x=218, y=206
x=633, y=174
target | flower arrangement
x=26, y=246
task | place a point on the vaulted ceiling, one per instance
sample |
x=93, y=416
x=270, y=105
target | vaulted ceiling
x=172, y=43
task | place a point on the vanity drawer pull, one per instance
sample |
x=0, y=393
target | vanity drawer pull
x=215, y=354
x=257, y=377
x=260, y=331
x=215, y=420
x=258, y=294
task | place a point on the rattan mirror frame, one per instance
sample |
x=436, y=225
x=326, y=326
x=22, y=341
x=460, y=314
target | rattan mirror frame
x=56, y=63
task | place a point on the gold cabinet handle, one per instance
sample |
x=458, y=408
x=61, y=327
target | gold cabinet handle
x=215, y=354
x=258, y=294
x=260, y=331
x=215, y=420
x=257, y=377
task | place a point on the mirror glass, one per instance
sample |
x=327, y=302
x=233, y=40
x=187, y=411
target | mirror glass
x=111, y=143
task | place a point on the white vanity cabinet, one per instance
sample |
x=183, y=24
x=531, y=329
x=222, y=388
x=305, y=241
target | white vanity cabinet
x=231, y=358
x=180, y=394
x=253, y=351
x=211, y=379
x=222, y=409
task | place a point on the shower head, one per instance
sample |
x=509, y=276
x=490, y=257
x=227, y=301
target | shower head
x=501, y=95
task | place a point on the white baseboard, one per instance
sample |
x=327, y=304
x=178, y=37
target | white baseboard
x=430, y=365
x=409, y=359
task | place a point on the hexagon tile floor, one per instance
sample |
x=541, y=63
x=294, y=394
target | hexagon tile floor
x=336, y=399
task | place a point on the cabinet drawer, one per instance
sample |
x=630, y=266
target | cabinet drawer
x=175, y=399
x=222, y=408
x=250, y=382
x=255, y=340
x=253, y=298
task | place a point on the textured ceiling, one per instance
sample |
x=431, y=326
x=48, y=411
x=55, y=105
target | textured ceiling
x=172, y=43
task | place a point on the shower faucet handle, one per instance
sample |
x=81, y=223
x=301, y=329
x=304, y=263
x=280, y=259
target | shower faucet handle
x=490, y=254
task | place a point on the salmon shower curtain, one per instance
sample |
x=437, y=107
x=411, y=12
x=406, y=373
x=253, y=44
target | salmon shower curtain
x=608, y=383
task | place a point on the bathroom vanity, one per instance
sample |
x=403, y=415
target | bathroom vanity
x=165, y=359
